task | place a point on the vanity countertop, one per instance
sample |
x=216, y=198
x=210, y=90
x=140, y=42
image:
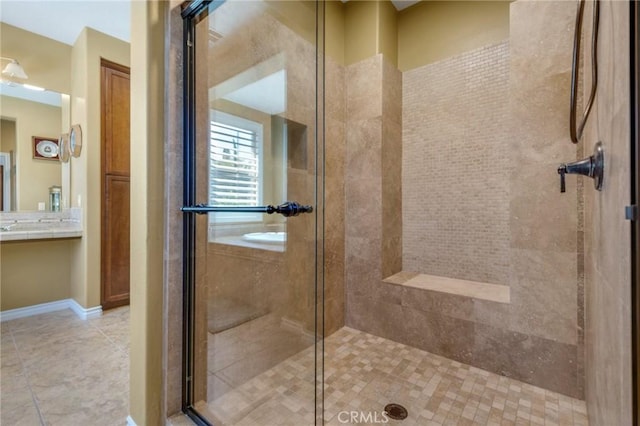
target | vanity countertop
x=40, y=225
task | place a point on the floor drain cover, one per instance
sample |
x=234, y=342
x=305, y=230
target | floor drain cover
x=396, y=411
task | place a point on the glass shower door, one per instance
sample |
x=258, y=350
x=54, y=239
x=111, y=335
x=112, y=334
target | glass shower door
x=252, y=221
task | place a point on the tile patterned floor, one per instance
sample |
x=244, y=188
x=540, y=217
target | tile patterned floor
x=365, y=372
x=59, y=370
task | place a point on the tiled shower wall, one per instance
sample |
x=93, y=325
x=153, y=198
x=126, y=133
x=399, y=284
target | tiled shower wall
x=495, y=128
x=455, y=167
x=607, y=234
x=372, y=188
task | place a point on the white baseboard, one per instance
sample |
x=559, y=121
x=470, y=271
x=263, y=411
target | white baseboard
x=84, y=313
x=28, y=311
x=44, y=308
x=130, y=421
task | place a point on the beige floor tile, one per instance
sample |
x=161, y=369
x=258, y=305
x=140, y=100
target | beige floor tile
x=15, y=393
x=23, y=416
x=65, y=370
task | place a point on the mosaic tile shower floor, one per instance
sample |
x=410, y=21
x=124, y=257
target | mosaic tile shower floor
x=366, y=372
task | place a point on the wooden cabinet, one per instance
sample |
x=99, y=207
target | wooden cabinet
x=115, y=173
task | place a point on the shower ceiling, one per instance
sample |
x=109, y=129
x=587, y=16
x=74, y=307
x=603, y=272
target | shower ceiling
x=64, y=20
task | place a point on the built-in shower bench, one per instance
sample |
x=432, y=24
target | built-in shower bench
x=477, y=290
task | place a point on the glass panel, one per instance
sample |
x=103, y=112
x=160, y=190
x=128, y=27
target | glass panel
x=255, y=314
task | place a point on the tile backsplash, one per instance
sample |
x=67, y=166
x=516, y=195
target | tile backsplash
x=67, y=216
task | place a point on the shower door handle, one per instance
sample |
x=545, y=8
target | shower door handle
x=286, y=209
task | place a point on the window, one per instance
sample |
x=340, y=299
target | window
x=235, y=166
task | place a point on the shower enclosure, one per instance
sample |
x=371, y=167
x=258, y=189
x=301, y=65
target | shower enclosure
x=374, y=228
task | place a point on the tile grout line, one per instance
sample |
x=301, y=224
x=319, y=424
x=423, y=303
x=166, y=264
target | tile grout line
x=459, y=387
x=34, y=398
x=113, y=342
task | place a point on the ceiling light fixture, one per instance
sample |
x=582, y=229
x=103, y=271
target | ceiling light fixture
x=13, y=69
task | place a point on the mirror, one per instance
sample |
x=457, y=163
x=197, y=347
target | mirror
x=28, y=117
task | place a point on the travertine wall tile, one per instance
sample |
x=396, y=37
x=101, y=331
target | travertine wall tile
x=373, y=226
x=455, y=167
x=543, y=221
x=537, y=204
x=391, y=169
x=544, y=294
x=607, y=234
x=173, y=238
x=534, y=360
x=480, y=201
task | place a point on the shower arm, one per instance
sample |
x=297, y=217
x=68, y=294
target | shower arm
x=576, y=132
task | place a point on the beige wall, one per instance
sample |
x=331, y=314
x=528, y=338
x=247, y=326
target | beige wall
x=90, y=46
x=34, y=177
x=370, y=27
x=434, y=30
x=47, y=62
x=607, y=234
x=387, y=35
x=334, y=30
x=360, y=30
x=416, y=36
x=34, y=272
x=147, y=217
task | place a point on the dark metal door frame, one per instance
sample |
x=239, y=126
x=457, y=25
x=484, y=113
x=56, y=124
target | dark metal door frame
x=192, y=12
x=634, y=42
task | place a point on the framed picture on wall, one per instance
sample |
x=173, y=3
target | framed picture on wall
x=45, y=148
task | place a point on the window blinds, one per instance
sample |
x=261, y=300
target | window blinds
x=234, y=166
